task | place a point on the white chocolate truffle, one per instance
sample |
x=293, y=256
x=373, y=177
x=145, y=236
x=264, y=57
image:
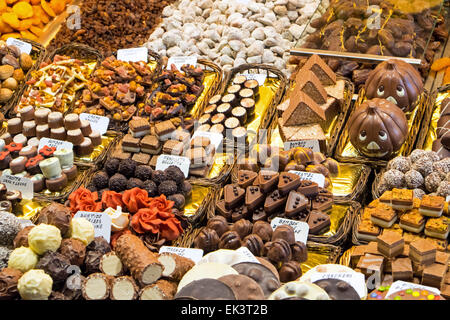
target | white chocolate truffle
x=23, y=259
x=65, y=157
x=82, y=229
x=35, y=285
x=44, y=237
x=51, y=168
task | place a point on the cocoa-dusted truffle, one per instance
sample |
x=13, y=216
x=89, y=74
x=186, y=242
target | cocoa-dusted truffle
x=253, y=243
x=92, y=262
x=263, y=230
x=151, y=188
x=127, y=167
x=4, y=256
x=118, y=182
x=432, y=182
x=432, y=155
x=175, y=174
x=400, y=163
x=57, y=215
x=394, y=179
x=178, y=199
x=55, y=265
x=99, y=244
x=168, y=187
x=418, y=193
x=219, y=224
x=413, y=179
x=9, y=227
x=207, y=239
x=230, y=240
x=299, y=252
x=279, y=251
x=443, y=189
x=285, y=232
x=9, y=278
x=243, y=228
x=21, y=239
x=290, y=271
x=91, y=187
x=159, y=176
x=424, y=165
x=74, y=250
x=143, y=172
x=135, y=183
x=186, y=188
x=416, y=155
x=112, y=166
x=100, y=180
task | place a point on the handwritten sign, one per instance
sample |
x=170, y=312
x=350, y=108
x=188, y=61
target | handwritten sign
x=24, y=185
x=403, y=285
x=133, y=54
x=98, y=123
x=310, y=144
x=100, y=220
x=261, y=78
x=164, y=161
x=58, y=144
x=248, y=255
x=179, y=61
x=24, y=47
x=190, y=253
x=314, y=177
x=355, y=279
x=301, y=229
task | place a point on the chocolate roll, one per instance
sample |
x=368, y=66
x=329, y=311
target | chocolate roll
x=234, y=89
x=20, y=138
x=51, y=168
x=42, y=131
x=41, y=116
x=14, y=126
x=86, y=128
x=246, y=93
x=224, y=108
x=299, y=252
x=215, y=99
x=204, y=119
x=85, y=148
x=239, y=134
x=55, y=120
x=33, y=142
x=231, y=123
x=17, y=165
x=279, y=251
x=58, y=133
x=240, y=113
x=231, y=99
x=75, y=136
x=7, y=138
x=29, y=128
x=38, y=182
x=217, y=118
x=72, y=122
x=239, y=80
x=249, y=105
x=217, y=128
x=96, y=138
x=71, y=172
x=211, y=109
x=56, y=184
x=26, y=113
x=252, y=85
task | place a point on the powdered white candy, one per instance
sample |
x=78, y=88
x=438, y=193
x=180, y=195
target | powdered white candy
x=177, y=15
x=292, y=15
x=241, y=55
x=173, y=24
x=236, y=45
x=198, y=12
x=256, y=49
x=280, y=10
x=230, y=10
x=226, y=51
x=270, y=5
x=157, y=33
x=220, y=29
x=238, y=22
x=171, y=38
x=191, y=30
x=301, y=20
x=211, y=44
x=227, y=68
x=286, y=44
x=270, y=42
x=156, y=45
x=174, y=51
x=203, y=47
x=222, y=6
x=167, y=11
x=234, y=16
x=258, y=34
x=249, y=25
x=254, y=7
x=226, y=60
x=238, y=62
x=265, y=21
x=270, y=16
x=215, y=12
x=279, y=63
x=310, y=29
x=205, y=4
x=241, y=8
x=287, y=35
x=281, y=2
x=184, y=46
x=268, y=56
x=212, y=34
x=248, y=42
x=235, y=34
x=222, y=44
x=270, y=32
x=277, y=50
x=296, y=31
x=212, y=19
x=213, y=55
x=254, y=59
x=296, y=3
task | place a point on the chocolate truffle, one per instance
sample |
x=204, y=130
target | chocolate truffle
x=168, y=187
x=400, y=163
x=101, y=180
x=21, y=239
x=253, y=243
x=443, y=189
x=424, y=165
x=279, y=251
x=99, y=244
x=178, y=199
x=290, y=271
x=243, y=228
x=55, y=265
x=151, y=188
x=92, y=261
x=74, y=250
x=219, y=224
x=413, y=179
x=432, y=182
x=299, y=252
x=394, y=179
x=127, y=167
x=416, y=155
x=263, y=230
x=159, y=176
x=143, y=172
x=186, y=188
x=418, y=193
x=207, y=239
x=57, y=215
x=135, y=183
x=112, y=166
x=175, y=174
x=9, y=279
x=118, y=182
x=285, y=232
x=230, y=240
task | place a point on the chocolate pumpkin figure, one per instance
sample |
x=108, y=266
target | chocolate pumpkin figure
x=377, y=128
x=396, y=81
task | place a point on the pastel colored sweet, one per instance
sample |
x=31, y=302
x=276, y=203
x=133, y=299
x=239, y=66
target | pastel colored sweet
x=14, y=125
x=51, y=167
x=85, y=148
x=65, y=157
x=17, y=165
x=96, y=138
x=27, y=113
x=42, y=131
x=33, y=142
x=28, y=151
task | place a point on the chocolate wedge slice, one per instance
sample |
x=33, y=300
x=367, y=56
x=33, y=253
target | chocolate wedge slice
x=259, y=214
x=322, y=203
x=222, y=210
x=318, y=222
x=233, y=195
x=296, y=202
x=246, y=178
x=254, y=197
x=274, y=202
x=309, y=188
x=288, y=182
x=268, y=180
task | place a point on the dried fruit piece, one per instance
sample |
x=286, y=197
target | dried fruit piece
x=39, y=12
x=26, y=62
x=11, y=19
x=28, y=35
x=446, y=77
x=4, y=27
x=6, y=71
x=10, y=35
x=46, y=6
x=25, y=24
x=36, y=30
x=5, y=95
x=440, y=64
x=23, y=10
x=58, y=6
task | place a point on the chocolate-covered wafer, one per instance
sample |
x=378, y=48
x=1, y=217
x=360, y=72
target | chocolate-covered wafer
x=231, y=99
x=224, y=108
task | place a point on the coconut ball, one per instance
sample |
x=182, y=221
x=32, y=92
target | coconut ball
x=416, y=155
x=423, y=165
x=9, y=227
x=444, y=189
x=432, y=181
x=394, y=179
x=400, y=163
x=418, y=193
x=413, y=179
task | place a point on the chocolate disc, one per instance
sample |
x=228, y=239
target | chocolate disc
x=261, y=274
x=244, y=288
x=338, y=289
x=206, y=289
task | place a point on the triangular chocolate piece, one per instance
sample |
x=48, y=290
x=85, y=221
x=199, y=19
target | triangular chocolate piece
x=288, y=181
x=233, y=195
x=319, y=67
x=325, y=193
x=322, y=203
x=268, y=180
x=310, y=84
x=259, y=214
x=239, y=213
x=309, y=188
x=222, y=210
x=302, y=110
x=296, y=202
x=246, y=178
x=318, y=222
x=274, y=202
x=254, y=197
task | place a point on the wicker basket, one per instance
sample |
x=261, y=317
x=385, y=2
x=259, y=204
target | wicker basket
x=221, y=178
x=376, y=183
x=409, y=143
x=38, y=53
x=355, y=239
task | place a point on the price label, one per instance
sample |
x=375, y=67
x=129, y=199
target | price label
x=247, y=253
x=216, y=138
x=310, y=144
x=98, y=123
x=24, y=47
x=261, y=78
x=179, y=61
x=24, y=185
x=448, y=198
x=355, y=279
x=190, y=253
x=101, y=222
x=164, y=161
x=314, y=177
x=133, y=54
x=301, y=228
x=403, y=285
x=58, y=144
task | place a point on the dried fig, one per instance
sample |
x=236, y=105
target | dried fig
x=11, y=60
x=5, y=95
x=10, y=83
x=25, y=61
x=6, y=71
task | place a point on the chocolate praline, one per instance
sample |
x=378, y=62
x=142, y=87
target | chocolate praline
x=159, y=176
x=444, y=189
x=299, y=252
x=243, y=228
x=416, y=155
x=143, y=172
x=279, y=251
x=400, y=163
x=112, y=166
x=92, y=262
x=284, y=232
x=418, y=193
x=178, y=199
x=101, y=180
x=21, y=239
x=135, y=183
x=219, y=224
x=394, y=179
x=263, y=230
x=432, y=182
x=175, y=174
x=207, y=239
x=254, y=243
x=424, y=165
x=127, y=167
x=118, y=182
x=413, y=179
x=230, y=240
x=151, y=188
x=74, y=250
x=290, y=271
x=99, y=244
x=56, y=214
x=186, y=188
x=55, y=265
x=168, y=187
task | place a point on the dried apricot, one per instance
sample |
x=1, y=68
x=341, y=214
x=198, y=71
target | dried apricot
x=38, y=11
x=11, y=19
x=23, y=10
x=10, y=35
x=58, y=5
x=446, y=77
x=3, y=5
x=4, y=27
x=25, y=24
x=46, y=6
x=440, y=64
x=36, y=30
x=34, y=2
x=28, y=35
x=11, y=1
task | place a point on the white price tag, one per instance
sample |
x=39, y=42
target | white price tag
x=310, y=144
x=24, y=185
x=164, y=161
x=133, y=54
x=314, y=177
x=101, y=222
x=98, y=123
x=179, y=61
x=301, y=228
x=24, y=47
x=247, y=253
x=355, y=279
x=261, y=78
x=403, y=285
x=190, y=253
x=59, y=144
x=448, y=198
x=216, y=138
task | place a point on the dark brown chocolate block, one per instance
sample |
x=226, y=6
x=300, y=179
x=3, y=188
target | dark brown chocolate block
x=422, y=251
x=402, y=269
x=434, y=275
x=164, y=127
x=150, y=144
x=390, y=244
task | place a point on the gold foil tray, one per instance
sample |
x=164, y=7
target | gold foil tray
x=29, y=209
x=319, y=253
